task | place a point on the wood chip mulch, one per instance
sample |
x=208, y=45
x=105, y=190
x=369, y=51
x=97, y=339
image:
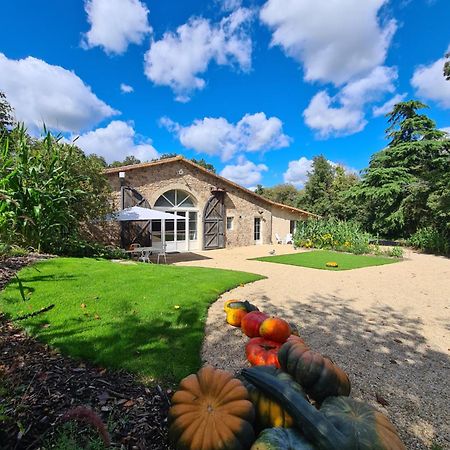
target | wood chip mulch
x=38, y=386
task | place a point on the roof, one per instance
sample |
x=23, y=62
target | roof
x=224, y=180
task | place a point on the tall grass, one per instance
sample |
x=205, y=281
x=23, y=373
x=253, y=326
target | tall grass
x=431, y=240
x=332, y=234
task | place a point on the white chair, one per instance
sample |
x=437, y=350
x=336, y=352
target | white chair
x=278, y=239
x=289, y=239
x=145, y=256
x=162, y=253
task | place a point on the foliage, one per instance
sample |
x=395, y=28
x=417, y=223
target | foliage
x=447, y=67
x=106, y=313
x=319, y=258
x=69, y=438
x=395, y=252
x=429, y=239
x=76, y=246
x=11, y=250
x=206, y=165
x=49, y=188
x=332, y=234
x=287, y=194
x=407, y=185
x=128, y=161
x=6, y=113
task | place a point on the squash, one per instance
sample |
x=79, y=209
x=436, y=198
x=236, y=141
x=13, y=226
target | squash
x=236, y=310
x=211, y=411
x=268, y=412
x=281, y=439
x=262, y=352
x=275, y=329
x=294, y=329
x=317, y=374
x=245, y=304
x=341, y=423
x=251, y=322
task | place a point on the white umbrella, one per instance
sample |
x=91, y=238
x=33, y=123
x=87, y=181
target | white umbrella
x=139, y=213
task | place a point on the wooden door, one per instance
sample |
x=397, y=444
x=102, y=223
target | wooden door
x=214, y=222
x=137, y=231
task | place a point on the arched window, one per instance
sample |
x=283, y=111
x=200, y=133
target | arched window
x=175, y=199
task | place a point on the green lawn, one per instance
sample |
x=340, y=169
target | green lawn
x=145, y=318
x=317, y=260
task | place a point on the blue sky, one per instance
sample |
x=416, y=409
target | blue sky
x=255, y=87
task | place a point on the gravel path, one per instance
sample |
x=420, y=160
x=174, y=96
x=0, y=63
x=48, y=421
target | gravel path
x=387, y=326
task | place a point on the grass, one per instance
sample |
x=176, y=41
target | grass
x=317, y=260
x=147, y=319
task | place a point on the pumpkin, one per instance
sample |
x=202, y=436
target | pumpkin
x=296, y=338
x=317, y=374
x=211, y=410
x=281, y=439
x=251, y=322
x=275, y=329
x=235, y=316
x=239, y=304
x=268, y=412
x=262, y=352
x=341, y=423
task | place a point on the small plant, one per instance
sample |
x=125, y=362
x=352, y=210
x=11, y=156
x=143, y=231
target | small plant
x=395, y=252
x=431, y=240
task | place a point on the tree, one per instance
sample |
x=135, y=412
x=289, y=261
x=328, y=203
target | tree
x=204, y=164
x=285, y=193
x=403, y=186
x=318, y=189
x=447, y=67
x=6, y=113
x=128, y=161
x=343, y=206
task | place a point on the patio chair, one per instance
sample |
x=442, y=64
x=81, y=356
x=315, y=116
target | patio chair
x=162, y=253
x=278, y=239
x=289, y=239
x=145, y=256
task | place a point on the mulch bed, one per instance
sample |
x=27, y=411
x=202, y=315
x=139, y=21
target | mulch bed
x=38, y=386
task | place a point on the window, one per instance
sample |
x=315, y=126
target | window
x=257, y=229
x=292, y=226
x=175, y=199
x=230, y=223
x=192, y=226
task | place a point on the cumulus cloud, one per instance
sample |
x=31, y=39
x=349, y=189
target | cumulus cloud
x=217, y=136
x=244, y=172
x=334, y=41
x=446, y=130
x=297, y=171
x=344, y=113
x=387, y=107
x=126, y=88
x=115, y=24
x=178, y=59
x=43, y=93
x=229, y=5
x=430, y=84
x=117, y=141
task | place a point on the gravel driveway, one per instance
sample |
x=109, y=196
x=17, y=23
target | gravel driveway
x=387, y=326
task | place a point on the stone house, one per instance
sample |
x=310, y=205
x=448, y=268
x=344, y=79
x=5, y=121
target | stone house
x=216, y=212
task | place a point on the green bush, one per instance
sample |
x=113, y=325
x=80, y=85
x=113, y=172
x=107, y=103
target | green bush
x=7, y=250
x=332, y=234
x=395, y=252
x=77, y=247
x=431, y=240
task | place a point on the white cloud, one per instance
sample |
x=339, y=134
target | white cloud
x=446, y=130
x=126, y=88
x=43, y=93
x=217, y=136
x=115, y=142
x=430, y=84
x=245, y=173
x=115, y=24
x=179, y=58
x=343, y=114
x=387, y=107
x=297, y=171
x=335, y=41
x=229, y=5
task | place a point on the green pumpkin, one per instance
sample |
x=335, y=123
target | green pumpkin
x=270, y=413
x=341, y=423
x=281, y=439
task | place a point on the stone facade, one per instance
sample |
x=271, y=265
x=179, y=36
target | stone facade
x=153, y=180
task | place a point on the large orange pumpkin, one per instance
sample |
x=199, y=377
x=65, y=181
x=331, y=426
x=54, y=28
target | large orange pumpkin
x=211, y=411
x=262, y=352
x=235, y=316
x=251, y=323
x=275, y=329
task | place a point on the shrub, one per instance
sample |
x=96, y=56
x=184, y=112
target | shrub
x=395, y=252
x=431, y=240
x=332, y=234
x=78, y=247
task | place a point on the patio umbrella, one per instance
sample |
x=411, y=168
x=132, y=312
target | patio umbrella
x=139, y=213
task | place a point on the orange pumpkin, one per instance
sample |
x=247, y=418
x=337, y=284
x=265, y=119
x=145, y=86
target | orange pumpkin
x=275, y=329
x=211, y=411
x=235, y=316
x=262, y=352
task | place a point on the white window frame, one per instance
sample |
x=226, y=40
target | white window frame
x=231, y=220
